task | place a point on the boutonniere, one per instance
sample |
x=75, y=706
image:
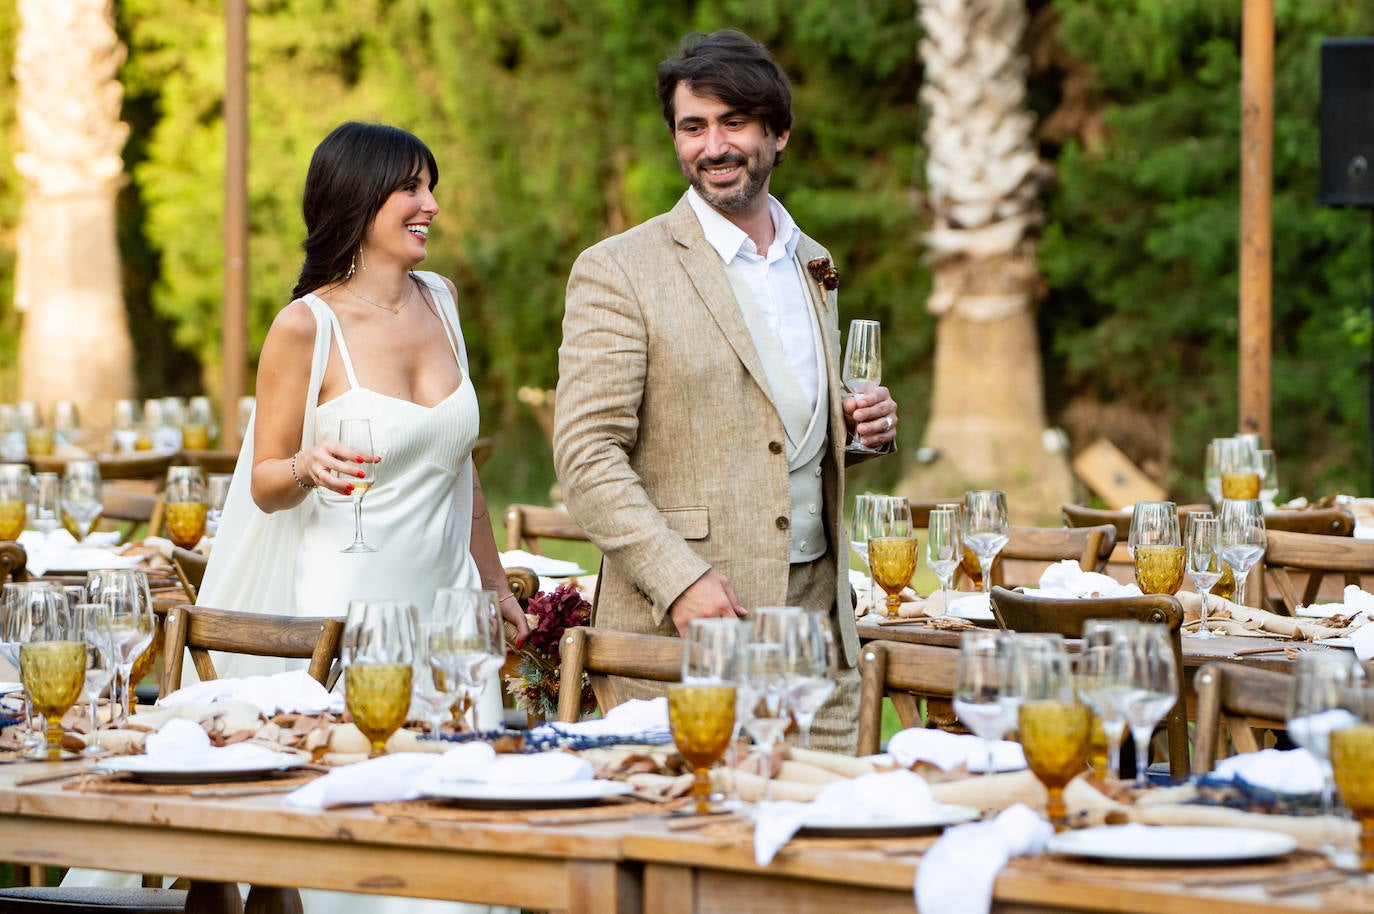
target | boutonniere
x=826, y=276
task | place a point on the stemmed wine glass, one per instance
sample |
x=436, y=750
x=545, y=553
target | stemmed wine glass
x=477, y=643
x=763, y=679
x=14, y=507
x=20, y=604
x=944, y=548
x=861, y=526
x=1211, y=471
x=81, y=498
x=1243, y=539
x=1238, y=461
x=1203, y=549
x=892, y=550
x=980, y=699
x=1143, y=686
x=376, y=652
x=701, y=717
x=1101, y=638
x=131, y=620
x=357, y=434
x=863, y=368
x=435, y=683
x=1055, y=727
x=47, y=502
x=92, y=620
x=810, y=664
x=1269, y=476
x=983, y=527
x=1325, y=686
x=712, y=655
x=216, y=494
x=52, y=666
x=1156, y=547
x=186, y=507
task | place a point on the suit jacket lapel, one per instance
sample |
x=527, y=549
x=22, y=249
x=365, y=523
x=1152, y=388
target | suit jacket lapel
x=704, y=268
x=808, y=250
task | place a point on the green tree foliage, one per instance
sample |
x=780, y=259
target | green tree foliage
x=1141, y=248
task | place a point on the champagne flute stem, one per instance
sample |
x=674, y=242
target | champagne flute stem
x=358, y=520
x=1202, y=613
x=93, y=743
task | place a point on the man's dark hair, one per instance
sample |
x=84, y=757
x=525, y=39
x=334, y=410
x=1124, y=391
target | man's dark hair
x=734, y=68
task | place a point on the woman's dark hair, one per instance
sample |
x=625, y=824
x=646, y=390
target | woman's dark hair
x=352, y=173
x=734, y=68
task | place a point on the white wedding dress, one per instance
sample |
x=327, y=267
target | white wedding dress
x=417, y=515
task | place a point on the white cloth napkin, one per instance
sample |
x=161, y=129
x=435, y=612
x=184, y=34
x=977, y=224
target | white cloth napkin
x=888, y=796
x=629, y=718
x=1066, y=579
x=951, y=750
x=541, y=565
x=293, y=692
x=408, y=775
x=59, y=550
x=973, y=607
x=956, y=875
x=184, y=745
x=1292, y=771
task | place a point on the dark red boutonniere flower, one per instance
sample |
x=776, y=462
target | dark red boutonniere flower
x=824, y=272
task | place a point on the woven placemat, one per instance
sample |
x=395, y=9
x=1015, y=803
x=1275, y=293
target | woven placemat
x=446, y=811
x=1192, y=874
x=122, y=783
x=737, y=831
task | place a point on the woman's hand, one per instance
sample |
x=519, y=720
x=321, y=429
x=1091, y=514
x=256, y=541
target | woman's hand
x=512, y=613
x=331, y=465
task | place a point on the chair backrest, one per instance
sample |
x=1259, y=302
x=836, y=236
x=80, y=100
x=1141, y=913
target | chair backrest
x=1316, y=555
x=201, y=630
x=148, y=466
x=602, y=653
x=210, y=461
x=920, y=510
x=1083, y=516
x=13, y=562
x=904, y=673
x=1324, y=521
x=1022, y=613
x=1240, y=699
x=1090, y=547
x=190, y=568
x=525, y=524
x=125, y=509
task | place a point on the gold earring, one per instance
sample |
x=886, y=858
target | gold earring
x=352, y=268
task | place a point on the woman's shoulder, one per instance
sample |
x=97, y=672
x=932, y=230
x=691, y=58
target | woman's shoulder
x=294, y=324
x=436, y=283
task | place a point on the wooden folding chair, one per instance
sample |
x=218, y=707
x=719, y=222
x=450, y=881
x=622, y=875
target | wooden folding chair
x=904, y=673
x=526, y=524
x=1022, y=613
x=201, y=630
x=13, y=562
x=1083, y=516
x=1323, y=521
x=1234, y=700
x=1090, y=547
x=210, y=461
x=190, y=568
x=920, y=510
x=124, y=509
x=602, y=653
x=1315, y=555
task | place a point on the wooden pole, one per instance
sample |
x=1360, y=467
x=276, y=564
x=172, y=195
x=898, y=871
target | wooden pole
x=234, y=316
x=1256, y=219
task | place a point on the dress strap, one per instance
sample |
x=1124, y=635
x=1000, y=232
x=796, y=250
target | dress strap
x=448, y=315
x=320, y=304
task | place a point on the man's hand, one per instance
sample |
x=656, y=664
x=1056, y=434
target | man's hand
x=874, y=416
x=709, y=596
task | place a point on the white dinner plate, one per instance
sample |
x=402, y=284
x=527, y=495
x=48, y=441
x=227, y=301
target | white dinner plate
x=940, y=816
x=542, y=565
x=497, y=796
x=973, y=607
x=80, y=560
x=1322, y=610
x=1172, y=844
x=1336, y=642
x=166, y=771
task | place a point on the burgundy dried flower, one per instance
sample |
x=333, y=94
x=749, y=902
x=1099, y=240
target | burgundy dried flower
x=824, y=272
x=554, y=614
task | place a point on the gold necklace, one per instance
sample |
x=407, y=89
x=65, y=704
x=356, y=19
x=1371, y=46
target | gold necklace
x=394, y=310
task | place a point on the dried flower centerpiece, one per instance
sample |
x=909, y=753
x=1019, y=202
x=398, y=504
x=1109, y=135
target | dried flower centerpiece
x=536, y=685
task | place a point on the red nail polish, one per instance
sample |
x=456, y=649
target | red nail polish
x=519, y=643
x=359, y=459
x=349, y=489
x=362, y=474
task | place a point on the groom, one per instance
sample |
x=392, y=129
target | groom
x=699, y=431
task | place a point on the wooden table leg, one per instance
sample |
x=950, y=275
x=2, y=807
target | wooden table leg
x=669, y=889
x=213, y=898
x=266, y=899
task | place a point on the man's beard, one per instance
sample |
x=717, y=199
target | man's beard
x=734, y=199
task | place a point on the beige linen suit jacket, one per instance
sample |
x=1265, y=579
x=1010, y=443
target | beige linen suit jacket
x=670, y=453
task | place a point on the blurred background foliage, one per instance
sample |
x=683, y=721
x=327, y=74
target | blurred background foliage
x=543, y=119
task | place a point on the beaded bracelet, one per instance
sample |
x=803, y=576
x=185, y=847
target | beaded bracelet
x=303, y=485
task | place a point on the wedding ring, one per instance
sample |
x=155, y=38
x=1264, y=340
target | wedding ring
x=889, y=422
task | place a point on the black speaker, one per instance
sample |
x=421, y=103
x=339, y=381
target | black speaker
x=1347, y=122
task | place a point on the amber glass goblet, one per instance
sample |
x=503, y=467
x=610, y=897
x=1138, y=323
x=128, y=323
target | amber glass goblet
x=702, y=718
x=1352, y=763
x=378, y=646
x=52, y=666
x=892, y=559
x=1056, y=737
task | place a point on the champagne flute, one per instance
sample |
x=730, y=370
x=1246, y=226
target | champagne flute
x=1055, y=727
x=811, y=669
x=1144, y=686
x=246, y=405
x=81, y=498
x=127, y=419
x=132, y=624
x=763, y=679
x=1156, y=547
x=52, y=666
x=862, y=370
x=47, y=503
x=1325, y=684
x=944, y=548
x=892, y=551
x=1269, y=476
x=1204, y=562
x=1101, y=637
x=862, y=524
x=984, y=530
x=377, y=650
x=702, y=720
x=1238, y=460
x=1211, y=471
x=92, y=620
x=478, y=644
x=66, y=424
x=216, y=494
x=434, y=682
x=357, y=434
x=979, y=695
x=1243, y=539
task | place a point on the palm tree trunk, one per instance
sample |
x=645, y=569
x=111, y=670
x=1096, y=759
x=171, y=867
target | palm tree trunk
x=74, y=344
